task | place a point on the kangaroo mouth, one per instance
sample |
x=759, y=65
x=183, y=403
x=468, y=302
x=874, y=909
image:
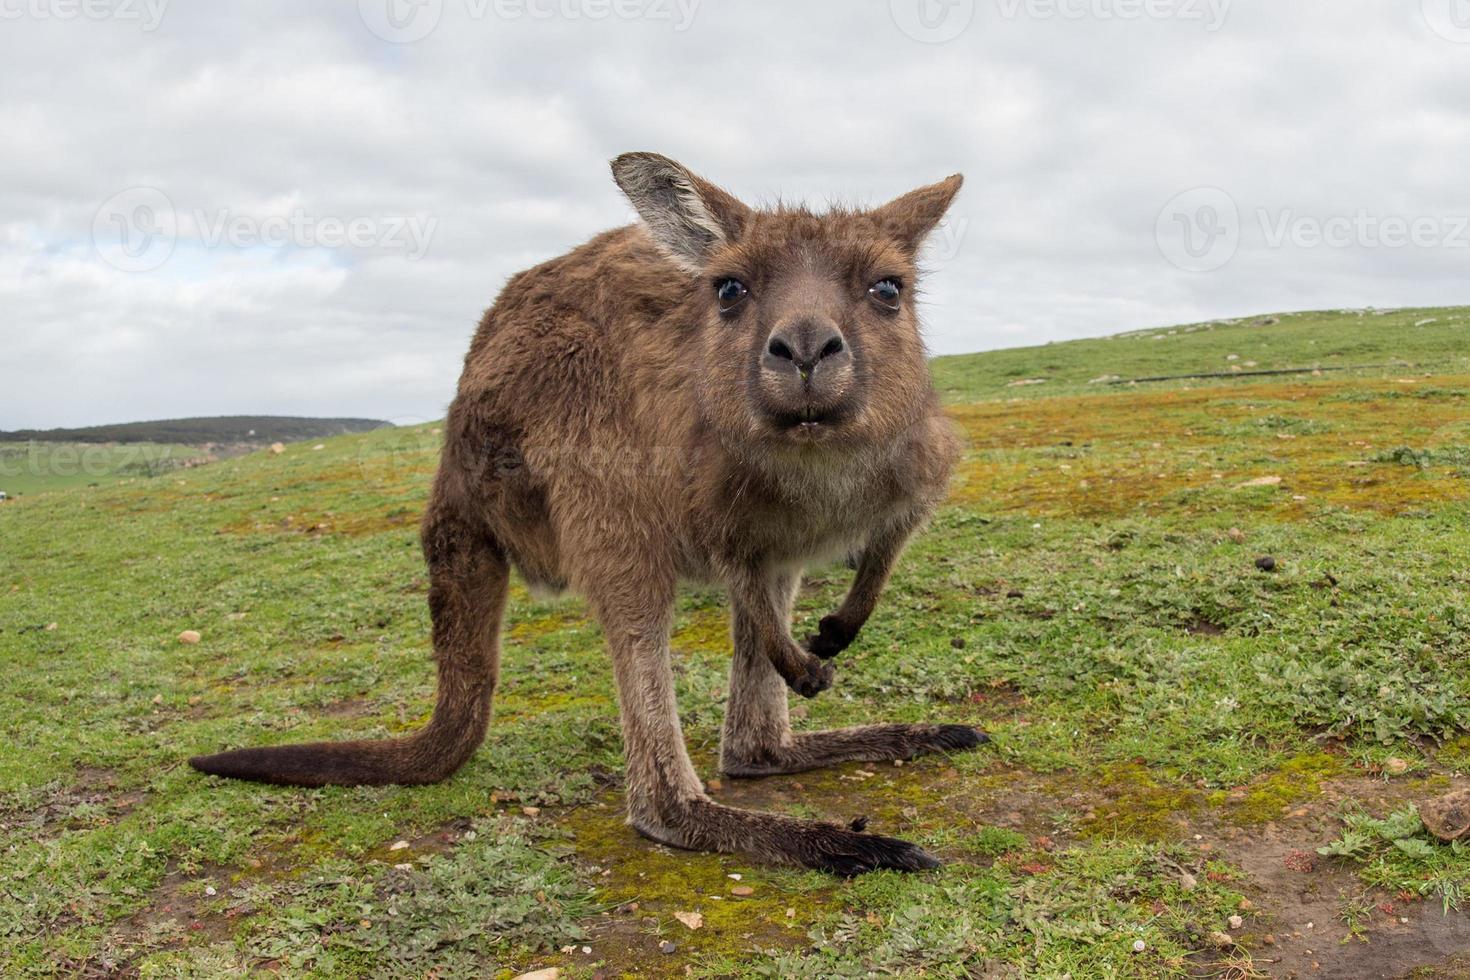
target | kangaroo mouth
x=808, y=420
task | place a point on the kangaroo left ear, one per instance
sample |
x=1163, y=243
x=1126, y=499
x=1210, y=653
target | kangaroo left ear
x=912, y=217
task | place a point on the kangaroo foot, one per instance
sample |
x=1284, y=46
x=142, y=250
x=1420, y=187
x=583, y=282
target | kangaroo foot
x=704, y=825
x=867, y=743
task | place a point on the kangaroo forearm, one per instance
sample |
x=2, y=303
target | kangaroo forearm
x=763, y=601
x=836, y=632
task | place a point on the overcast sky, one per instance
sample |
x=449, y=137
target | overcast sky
x=294, y=208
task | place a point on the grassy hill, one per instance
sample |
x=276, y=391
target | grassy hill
x=38, y=460
x=1177, y=729
x=257, y=429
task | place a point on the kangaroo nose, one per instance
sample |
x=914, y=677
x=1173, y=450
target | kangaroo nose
x=804, y=345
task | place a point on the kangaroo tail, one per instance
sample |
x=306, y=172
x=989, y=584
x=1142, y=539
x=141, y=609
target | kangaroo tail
x=469, y=578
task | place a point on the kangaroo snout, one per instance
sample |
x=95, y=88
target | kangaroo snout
x=804, y=348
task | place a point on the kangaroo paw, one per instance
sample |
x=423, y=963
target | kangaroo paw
x=831, y=638
x=805, y=674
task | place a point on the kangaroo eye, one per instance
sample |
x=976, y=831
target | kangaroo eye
x=885, y=293
x=730, y=292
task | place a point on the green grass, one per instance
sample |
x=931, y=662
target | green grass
x=36, y=467
x=1390, y=340
x=1090, y=594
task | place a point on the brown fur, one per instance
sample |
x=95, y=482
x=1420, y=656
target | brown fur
x=614, y=432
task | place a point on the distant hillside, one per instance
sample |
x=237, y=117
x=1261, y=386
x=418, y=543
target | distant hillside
x=1372, y=342
x=201, y=431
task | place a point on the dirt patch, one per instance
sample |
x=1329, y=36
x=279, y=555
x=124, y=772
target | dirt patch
x=1316, y=918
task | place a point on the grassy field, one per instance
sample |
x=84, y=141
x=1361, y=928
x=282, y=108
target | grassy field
x=1200, y=767
x=39, y=466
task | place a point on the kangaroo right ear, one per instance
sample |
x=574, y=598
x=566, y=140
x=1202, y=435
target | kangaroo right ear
x=688, y=216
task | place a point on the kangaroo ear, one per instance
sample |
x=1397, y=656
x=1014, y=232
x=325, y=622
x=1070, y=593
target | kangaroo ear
x=688, y=217
x=912, y=217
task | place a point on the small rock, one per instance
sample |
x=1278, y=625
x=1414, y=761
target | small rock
x=713, y=786
x=1139, y=945
x=318, y=448
x=666, y=947
x=1266, y=563
x=531, y=811
x=403, y=867
x=1262, y=481
x=158, y=699
x=550, y=973
x=1237, y=535
x=1246, y=905
x=1188, y=881
x=52, y=627
x=210, y=891
x=1269, y=939
x=1222, y=939
x=1236, y=922
x=691, y=920
x=1396, y=767
x=277, y=448
x=190, y=636
x=401, y=845
x=734, y=876
x=742, y=891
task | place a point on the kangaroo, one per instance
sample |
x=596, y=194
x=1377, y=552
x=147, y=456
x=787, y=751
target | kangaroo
x=717, y=393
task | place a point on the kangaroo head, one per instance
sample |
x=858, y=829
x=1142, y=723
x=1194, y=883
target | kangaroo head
x=806, y=328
